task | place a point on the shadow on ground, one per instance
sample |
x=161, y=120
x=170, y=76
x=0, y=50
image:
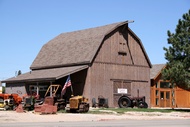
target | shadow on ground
x=180, y=110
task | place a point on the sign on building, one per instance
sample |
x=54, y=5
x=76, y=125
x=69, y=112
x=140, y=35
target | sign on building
x=122, y=90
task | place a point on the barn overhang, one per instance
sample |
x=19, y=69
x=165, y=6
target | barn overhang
x=45, y=74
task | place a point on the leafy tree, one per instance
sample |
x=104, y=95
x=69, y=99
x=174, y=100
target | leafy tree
x=178, y=54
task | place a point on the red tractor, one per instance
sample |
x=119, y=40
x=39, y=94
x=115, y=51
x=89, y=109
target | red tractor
x=126, y=101
x=10, y=101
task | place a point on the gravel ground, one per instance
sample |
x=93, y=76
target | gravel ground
x=12, y=116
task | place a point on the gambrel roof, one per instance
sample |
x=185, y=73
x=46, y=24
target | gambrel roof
x=78, y=47
x=72, y=49
x=75, y=48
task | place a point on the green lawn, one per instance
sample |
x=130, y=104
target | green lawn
x=123, y=110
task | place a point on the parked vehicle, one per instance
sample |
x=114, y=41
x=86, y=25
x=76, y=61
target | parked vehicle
x=52, y=101
x=77, y=104
x=9, y=101
x=48, y=107
x=102, y=102
x=55, y=91
x=126, y=101
x=28, y=103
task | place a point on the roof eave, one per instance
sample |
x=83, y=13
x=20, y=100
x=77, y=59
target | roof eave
x=59, y=66
x=159, y=73
x=30, y=80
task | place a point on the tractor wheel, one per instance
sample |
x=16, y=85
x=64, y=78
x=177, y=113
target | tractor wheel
x=124, y=102
x=106, y=103
x=142, y=104
x=86, y=108
x=7, y=107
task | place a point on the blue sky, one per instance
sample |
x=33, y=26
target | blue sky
x=26, y=25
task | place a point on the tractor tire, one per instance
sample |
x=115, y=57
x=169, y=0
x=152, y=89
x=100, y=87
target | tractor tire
x=7, y=107
x=86, y=108
x=106, y=103
x=124, y=102
x=142, y=104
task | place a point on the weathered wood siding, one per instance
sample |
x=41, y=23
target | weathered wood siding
x=136, y=51
x=18, y=88
x=110, y=66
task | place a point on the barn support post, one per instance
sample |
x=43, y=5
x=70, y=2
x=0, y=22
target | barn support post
x=37, y=89
x=50, y=90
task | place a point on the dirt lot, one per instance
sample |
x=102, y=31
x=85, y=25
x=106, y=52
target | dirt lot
x=12, y=116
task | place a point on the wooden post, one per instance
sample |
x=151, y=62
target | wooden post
x=37, y=90
x=50, y=89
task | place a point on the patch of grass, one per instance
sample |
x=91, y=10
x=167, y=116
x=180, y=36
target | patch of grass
x=99, y=112
x=61, y=111
x=141, y=110
x=123, y=110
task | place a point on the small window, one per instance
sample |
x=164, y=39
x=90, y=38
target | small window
x=164, y=85
x=167, y=95
x=122, y=49
x=161, y=95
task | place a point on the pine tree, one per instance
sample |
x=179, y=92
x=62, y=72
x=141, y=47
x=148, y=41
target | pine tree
x=19, y=73
x=178, y=54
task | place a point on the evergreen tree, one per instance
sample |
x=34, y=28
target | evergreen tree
x=19, y=72
x=178, y=54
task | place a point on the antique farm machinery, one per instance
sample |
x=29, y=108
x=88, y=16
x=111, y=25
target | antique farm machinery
x=77, y=104
x=126, y=101
x=102, y=102
x=53, y=101
x=9, y=101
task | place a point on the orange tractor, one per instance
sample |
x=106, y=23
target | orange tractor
x=9, y=101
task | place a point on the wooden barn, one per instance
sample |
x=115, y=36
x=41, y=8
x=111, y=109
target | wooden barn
x=109, y=61
x=163, y=94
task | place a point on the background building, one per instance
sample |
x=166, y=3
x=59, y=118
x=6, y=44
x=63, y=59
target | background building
x=163, y=94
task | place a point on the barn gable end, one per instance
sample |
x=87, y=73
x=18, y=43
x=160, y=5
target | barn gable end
x=120, y=63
